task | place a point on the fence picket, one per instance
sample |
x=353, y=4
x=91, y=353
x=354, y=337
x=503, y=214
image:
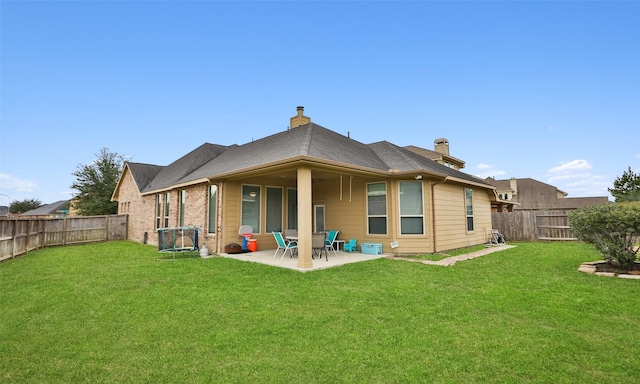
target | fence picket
x=531, y=225
x=21, y=235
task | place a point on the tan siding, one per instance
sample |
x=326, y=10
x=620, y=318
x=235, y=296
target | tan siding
x=482, y=214
x=451, y=227
x=345, y=211
x=231, y=212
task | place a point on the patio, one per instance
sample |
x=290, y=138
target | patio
x=266, y=257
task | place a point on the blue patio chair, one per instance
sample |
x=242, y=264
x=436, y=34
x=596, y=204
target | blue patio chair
x=285, y=246
x=351, y=246
x=330, y=241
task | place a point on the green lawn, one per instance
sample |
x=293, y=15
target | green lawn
x=114, y=313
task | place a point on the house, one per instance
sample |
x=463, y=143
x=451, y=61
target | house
x=312, y=179
x=440, y=154
x=49, y=211
x=531, y=194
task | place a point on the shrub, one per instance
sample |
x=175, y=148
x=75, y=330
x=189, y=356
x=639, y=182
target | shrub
x=612, y=228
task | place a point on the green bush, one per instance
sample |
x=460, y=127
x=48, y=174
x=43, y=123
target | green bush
x=612, y=228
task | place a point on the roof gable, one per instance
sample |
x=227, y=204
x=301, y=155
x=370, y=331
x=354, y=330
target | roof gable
x=143, y=173
x=404, y=160
x=309, y=141
x=184, y=166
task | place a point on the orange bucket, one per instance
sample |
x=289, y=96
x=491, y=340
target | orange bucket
x=252, y=245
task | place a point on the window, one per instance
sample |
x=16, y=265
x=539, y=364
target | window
x=213, y=208
x=274, y=209
x=292, y=208
x=183, y=200
x=158, y=211
x=377, y=208
x=411, y=208
x=318, y=218
x=468, y=199
x=251, y=207
x=167, y=196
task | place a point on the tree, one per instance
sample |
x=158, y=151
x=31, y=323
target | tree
x=612, y=228
x=96, y=183
x=24, y=205
x=626, y=187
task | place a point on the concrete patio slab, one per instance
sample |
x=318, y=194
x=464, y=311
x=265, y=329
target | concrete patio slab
x=266, y=257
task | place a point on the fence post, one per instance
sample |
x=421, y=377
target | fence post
x=13, y=241
x=64, y=231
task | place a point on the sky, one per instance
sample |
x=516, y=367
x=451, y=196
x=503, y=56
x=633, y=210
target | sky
x=548, y=90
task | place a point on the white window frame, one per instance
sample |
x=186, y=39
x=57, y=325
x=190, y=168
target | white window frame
x=212, y=213
x=247, y=198
x=279, y=214
x=468, y=204
x=182, y=202
x=373, y=216
x=419, y=214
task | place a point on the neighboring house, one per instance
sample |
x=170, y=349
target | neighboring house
x=4, y=211
x=530, y=194
x=311, y=179
x=48, y=211
x=440, y=154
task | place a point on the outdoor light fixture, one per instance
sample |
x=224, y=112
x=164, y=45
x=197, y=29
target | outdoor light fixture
x=419, y=177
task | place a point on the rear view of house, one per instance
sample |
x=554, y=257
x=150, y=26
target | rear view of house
x=311, y=179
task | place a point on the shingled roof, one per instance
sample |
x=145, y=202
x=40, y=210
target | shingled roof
x=143, y=174
x=48, y=209
x=180, y=169
x=309, y=142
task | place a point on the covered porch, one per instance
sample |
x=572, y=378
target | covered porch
x=266, y=257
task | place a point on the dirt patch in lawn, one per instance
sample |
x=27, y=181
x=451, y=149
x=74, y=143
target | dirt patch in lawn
x=603, y=268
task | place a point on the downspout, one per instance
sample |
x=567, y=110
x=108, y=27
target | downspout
x=433, y=211
x=219, y=215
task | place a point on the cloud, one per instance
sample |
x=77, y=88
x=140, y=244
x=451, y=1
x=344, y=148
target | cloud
x=574, y=178
x=571, y=166
x=486, y=170
x=16, y=184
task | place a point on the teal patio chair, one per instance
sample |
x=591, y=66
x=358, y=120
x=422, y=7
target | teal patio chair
x=331, y=241
x=284, y=245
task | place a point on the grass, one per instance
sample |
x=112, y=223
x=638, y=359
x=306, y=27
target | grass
x=113, y=313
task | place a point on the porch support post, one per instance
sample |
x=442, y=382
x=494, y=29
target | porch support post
x=304, y=218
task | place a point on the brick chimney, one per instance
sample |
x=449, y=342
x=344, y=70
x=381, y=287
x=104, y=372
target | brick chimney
x=441, y=145
x=299, y=119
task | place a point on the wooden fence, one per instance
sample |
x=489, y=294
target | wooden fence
x=21, y=235
x=524, y=225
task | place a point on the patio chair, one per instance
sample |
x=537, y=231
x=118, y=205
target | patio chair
x=318, y=243
x=290, y=233
x=351, y=246
x=330, y=243
x=285, y=246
